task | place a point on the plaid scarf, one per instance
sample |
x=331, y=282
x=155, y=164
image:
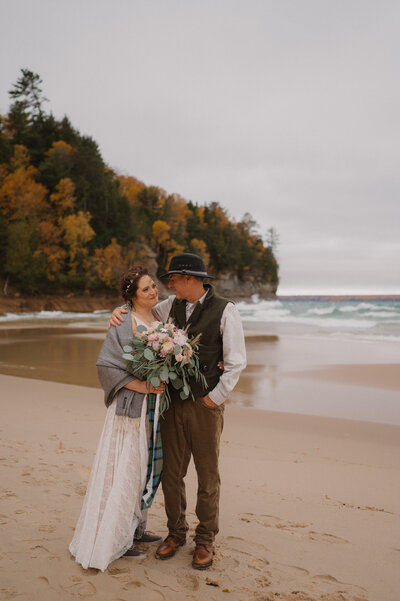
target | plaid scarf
x=155, y=462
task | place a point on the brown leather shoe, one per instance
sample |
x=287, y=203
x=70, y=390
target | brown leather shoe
x=169, y=547
x=203, y=557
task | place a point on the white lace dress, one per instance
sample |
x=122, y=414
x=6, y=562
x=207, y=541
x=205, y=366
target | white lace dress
x=111, y=508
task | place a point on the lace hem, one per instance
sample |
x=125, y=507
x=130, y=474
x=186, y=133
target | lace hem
x=111, y=508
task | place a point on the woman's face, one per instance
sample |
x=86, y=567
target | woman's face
x=147, y=293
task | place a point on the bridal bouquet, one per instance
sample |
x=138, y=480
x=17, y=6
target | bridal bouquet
x=163, y=353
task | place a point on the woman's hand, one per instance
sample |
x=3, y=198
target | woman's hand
x=144, y=387
x=116, y=318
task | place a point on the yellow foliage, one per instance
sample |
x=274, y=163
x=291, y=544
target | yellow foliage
x=3, y=172
x=160, y=231
x=174, y=249
x=130, y=187
x=108, y=263
x=77, y=233
x=20, y=158
x=50, y=239
x=200, y=214
x=21, y=196
x=199, y=247
x=64, y=151
x=63, y=198
x=178, y=214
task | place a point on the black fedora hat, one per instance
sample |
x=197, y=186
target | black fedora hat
x=188, y=264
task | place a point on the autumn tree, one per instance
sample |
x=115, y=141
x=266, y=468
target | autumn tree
x=77, y=233
x=109, y=263
x=21, y=197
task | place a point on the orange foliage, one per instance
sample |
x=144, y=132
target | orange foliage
x=200, y=214
x=20, y=158
x=77, y=233
x=161, y=232
x=109, y=263
x=50, y=239
x=3, y=172
x=63, y=198
x=21, y=196
x=199, y=247
x=130, y=187
x=64, y=151
x=174, y=249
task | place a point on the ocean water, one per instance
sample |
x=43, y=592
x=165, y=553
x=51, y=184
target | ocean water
x=356, y=319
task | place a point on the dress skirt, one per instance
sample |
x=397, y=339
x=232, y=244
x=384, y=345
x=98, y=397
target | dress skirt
x=111, y=508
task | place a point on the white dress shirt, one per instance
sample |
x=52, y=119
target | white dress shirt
x=233, y=346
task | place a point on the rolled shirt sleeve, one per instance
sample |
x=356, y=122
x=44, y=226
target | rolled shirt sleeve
x=234, y=354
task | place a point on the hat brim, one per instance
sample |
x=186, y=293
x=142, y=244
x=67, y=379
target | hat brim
x=199, y=274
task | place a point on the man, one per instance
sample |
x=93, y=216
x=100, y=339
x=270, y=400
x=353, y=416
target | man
x=194, y=427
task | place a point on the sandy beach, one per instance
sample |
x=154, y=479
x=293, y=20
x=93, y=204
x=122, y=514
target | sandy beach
x=309, y=509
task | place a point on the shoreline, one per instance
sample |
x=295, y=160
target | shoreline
x=106, y=301
x=299, y=517
x=288, y=374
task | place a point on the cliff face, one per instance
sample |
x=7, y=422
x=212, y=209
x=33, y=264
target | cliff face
x=227, y=285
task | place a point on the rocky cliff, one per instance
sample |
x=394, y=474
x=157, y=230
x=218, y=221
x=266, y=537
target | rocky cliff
x=227, y=285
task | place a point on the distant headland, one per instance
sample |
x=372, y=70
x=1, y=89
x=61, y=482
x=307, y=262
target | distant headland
x=70, y=225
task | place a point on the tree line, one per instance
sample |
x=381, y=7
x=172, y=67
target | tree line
x=69, y=222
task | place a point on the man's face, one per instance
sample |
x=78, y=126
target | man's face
x=179, y=284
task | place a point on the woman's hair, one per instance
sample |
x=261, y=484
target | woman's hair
x=130, y=281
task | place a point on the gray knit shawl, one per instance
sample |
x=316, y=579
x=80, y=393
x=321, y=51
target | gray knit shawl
x=113, y=376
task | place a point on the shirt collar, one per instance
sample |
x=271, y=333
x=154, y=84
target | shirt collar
x=200, y=300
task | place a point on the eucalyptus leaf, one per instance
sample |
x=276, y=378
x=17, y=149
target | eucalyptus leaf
x=128, y=356
x=177, y=383
x=186, y=389
x=141, y=328
x=155, y=381
x=177, y=349
x=127, y=348
x=172, y=375
x=164, y=373
x=148, y=354
x=184, y=395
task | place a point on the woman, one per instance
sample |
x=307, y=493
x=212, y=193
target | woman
x=125, y=475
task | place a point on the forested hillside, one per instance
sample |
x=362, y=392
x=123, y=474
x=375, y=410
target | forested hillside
x=69, y=222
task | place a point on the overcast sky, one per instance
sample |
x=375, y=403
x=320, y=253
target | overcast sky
x=289, y=110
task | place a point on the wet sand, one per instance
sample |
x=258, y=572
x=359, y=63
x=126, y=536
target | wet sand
x=309, y=509
x=307, y=375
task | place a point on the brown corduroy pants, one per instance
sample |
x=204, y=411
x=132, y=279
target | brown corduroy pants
x=191, y=428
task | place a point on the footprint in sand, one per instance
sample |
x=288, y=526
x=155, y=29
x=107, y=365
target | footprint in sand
x=227, y=563
x=83, y=588
x=259, y=564
x=80, y=489
x=115, y=571
x=189, y=581
x=324, y=537
x=263, y=581
x=47, y=528
x=41, y=551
